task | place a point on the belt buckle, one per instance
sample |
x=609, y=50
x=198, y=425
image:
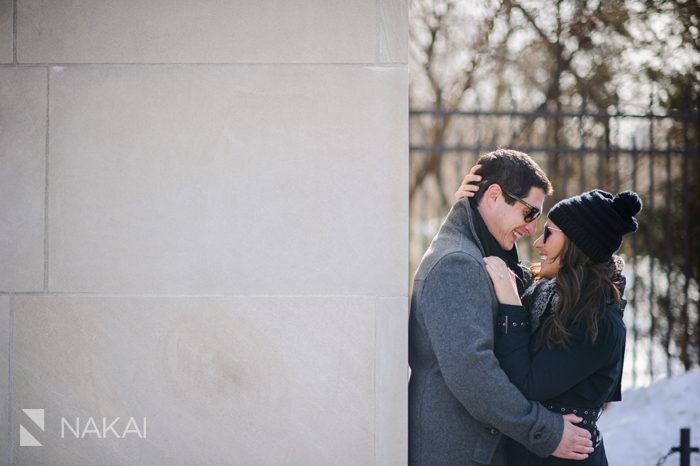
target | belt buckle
x=598, y=439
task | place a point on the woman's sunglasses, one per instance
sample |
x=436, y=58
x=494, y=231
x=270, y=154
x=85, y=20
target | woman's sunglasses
x=548, y=232
x=532, y=213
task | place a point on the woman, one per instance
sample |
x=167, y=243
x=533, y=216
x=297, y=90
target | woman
x=563, y=343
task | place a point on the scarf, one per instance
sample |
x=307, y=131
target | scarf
x=538, y=299
x=492, y=248
x=541, y=297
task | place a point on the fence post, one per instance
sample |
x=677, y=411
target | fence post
x=685, y=449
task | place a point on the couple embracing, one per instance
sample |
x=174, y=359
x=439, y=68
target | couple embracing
x=512, y=366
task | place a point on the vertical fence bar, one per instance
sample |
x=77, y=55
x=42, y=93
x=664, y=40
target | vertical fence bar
x=684, y=448
x=513, y=127
x=696, y=162
x=455, y=174
x=615, y=156
x=478, y=128
x=557, y=130
x=684, y=317
x=601, y=161
x=582, y=139
x=635, y=287
x=652, y=262
x=582, y=171
x=668, y=226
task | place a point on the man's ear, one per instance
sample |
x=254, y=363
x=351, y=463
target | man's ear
x=492, y=193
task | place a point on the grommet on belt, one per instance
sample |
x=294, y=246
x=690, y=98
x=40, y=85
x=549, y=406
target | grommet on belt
x=590, y=417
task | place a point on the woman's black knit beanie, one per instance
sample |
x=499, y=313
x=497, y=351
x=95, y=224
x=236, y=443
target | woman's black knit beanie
x=596, y=221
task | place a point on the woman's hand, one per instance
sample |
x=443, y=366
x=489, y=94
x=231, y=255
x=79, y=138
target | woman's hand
x=467, y=189
x=503, y=280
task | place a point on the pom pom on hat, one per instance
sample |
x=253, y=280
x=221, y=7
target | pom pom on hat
x=627, y=204
x=596, y=221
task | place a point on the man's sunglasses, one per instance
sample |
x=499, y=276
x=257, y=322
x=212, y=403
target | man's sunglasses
x=532, y=214
x=548, y=232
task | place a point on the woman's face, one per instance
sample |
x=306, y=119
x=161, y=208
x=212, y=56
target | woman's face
x=550, y=246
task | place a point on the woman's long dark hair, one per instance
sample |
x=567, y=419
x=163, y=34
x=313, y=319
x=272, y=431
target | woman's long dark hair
x=584, y=289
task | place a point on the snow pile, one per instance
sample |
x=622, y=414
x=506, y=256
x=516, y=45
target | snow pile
x=646, y=424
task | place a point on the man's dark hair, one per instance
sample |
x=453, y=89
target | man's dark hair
x=515, y=172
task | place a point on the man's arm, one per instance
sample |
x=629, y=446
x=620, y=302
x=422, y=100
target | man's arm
x=457, y=301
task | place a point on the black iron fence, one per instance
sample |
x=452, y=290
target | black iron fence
x=684, y=449
x=656, y=155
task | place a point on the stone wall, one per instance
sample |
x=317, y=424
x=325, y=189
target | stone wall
x=204, y=223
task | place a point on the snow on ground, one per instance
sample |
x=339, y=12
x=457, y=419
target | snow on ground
x=646, y=424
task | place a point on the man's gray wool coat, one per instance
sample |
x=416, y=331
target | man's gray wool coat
x=460, y=401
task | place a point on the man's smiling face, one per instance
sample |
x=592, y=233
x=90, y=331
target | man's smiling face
x=508, y=222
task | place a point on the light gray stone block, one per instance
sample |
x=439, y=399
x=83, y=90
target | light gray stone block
x=5, y=355
x=207, y=31
x=6, y=32
x=216, y=179
x=219, y=380
x=22, y=178
x=393, y=31
x=391, y=414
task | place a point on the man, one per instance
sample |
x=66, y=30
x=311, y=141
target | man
x=460, y=401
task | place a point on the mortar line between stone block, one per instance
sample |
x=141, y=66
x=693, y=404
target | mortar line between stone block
x=46, y=181
x=14, y=32
x=377, y=34
x=10, y=381
x=376, y=395
x=223, y=65
x=89, y=294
